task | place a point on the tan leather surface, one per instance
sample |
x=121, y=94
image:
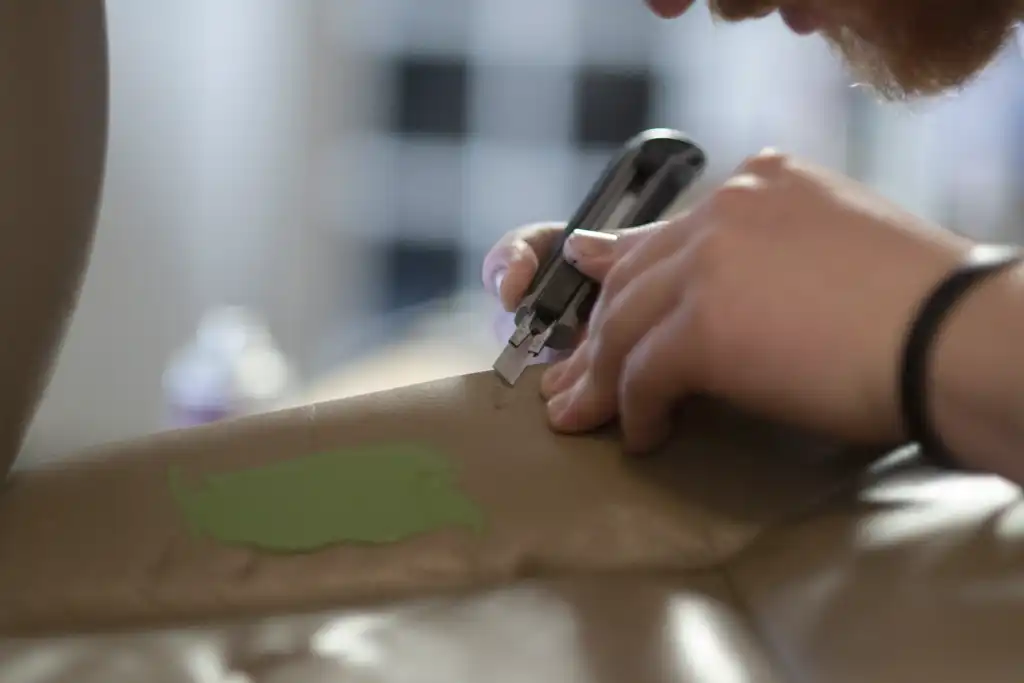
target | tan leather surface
x=658, y=630
x=743, y=552
x=554, y=504
x=916, y=575
x=912, y=575
x=53, y=133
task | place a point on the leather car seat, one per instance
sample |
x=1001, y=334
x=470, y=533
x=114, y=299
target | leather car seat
x=744, y=551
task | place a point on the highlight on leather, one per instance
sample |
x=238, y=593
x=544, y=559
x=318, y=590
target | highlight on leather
x=553, y=505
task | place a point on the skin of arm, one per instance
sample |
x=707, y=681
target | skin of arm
x=977, y=376
x=53, y=131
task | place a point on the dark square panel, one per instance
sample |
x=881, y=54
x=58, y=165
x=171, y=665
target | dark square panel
x=431, y=96
x=417, y=272
x=612, y=105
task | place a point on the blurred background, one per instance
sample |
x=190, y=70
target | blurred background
x=339, y=168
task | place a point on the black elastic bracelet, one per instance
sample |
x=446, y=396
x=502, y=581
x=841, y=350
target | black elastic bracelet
x=982, y=262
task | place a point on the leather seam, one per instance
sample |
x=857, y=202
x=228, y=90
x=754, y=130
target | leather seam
x=755, y=624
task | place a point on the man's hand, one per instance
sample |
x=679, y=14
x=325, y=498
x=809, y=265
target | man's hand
x=787, y=292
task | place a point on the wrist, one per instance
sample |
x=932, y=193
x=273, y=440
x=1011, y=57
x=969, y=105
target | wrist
x=977, y=376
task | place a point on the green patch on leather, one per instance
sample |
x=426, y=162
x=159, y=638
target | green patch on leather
x=371, y=495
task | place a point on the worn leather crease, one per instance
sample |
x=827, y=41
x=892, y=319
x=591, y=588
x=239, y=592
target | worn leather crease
x=555, y=504
x=741, y=533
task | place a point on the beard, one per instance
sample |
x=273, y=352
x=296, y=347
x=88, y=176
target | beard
x=908, y=48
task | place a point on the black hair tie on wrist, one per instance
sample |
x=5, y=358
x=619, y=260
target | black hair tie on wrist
x=982, y=262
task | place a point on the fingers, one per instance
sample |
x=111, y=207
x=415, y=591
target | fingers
x=649, y=246
x=642, y=352
x=659, y=371
x=511, y=264
x=594, y=253
x=566, y=372
x=592, y=397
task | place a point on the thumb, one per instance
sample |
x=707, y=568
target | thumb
x=592, y=253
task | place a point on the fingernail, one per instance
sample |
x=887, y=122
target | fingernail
x=559, y=406
x=499, y=277
x=588, y=245
x=550, y=379
x=562, y=408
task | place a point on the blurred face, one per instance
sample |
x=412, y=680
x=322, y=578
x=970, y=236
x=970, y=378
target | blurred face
x=903, y=48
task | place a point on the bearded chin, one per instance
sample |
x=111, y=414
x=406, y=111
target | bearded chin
x=869, y=65
x=909, y=48
x=899, y=70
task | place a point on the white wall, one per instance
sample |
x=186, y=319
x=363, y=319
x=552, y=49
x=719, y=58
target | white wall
x=220, y=112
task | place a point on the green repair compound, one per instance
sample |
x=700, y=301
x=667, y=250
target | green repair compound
x=372, y=495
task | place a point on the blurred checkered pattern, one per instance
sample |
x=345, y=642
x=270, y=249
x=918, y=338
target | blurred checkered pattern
x=481, y=115
x=478, y=124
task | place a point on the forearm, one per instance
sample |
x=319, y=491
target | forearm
x=978, y=377
x=53, y=110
